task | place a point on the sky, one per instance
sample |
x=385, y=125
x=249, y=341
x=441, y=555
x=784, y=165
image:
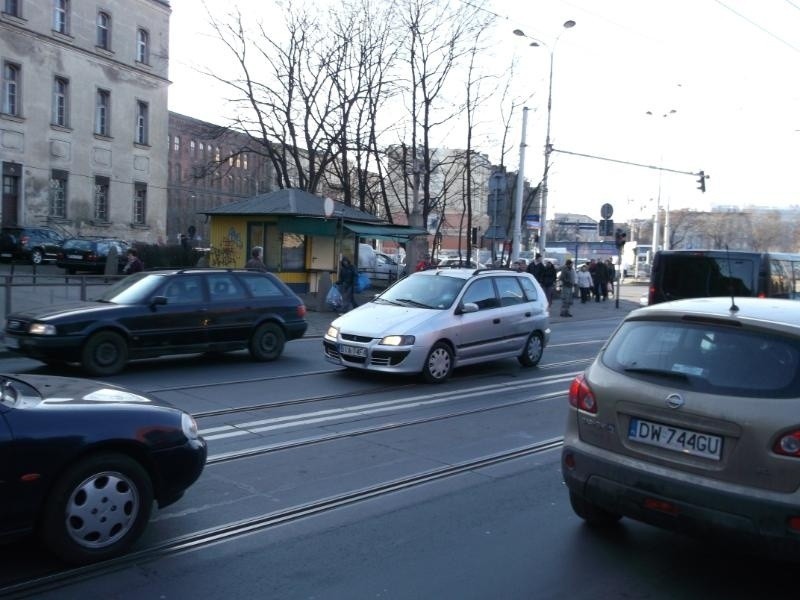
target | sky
x=724, y=72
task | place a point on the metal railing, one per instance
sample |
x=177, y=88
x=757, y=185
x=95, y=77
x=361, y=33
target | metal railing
x=21, y=291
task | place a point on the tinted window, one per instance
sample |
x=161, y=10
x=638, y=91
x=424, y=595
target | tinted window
x=262, y=287
x=481, y=292
x=780, y=280
x=698, y=276
x=224, y=286
x=509, y=290
x=185, y=289
x=85, y=245
x=707, y=358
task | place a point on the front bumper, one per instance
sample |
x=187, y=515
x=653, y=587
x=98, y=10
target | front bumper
x=623, y=485
x=386, y=359
x=44, y=346
x=177, y=468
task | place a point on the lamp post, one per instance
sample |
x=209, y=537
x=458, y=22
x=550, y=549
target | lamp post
x=547, y=147
x=665, y=115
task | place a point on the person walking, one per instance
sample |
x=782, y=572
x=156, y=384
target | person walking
x=256, y=262
x=134, y=264
x=549, y=276
x=536, y=268
x=612, y=276
x=567, y=288
x=347, y=284
x=584, y=283
x=600, y=279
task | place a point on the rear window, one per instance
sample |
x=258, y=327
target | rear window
x=78, y=245
x=707, y=358
x=699, y=276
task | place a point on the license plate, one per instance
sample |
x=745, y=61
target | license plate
x=353, y=351
x=6, y=254
x=11, y=342
x=676, y=439
x=74, y=256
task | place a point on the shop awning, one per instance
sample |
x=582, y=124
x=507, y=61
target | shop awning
x=384, y=232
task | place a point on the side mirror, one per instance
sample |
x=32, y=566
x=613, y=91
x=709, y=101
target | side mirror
x=467, y=307
x=158, y=301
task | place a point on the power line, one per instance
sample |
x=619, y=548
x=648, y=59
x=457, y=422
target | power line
x=754, y=24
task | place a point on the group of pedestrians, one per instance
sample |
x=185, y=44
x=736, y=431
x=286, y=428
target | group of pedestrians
x=594, y=280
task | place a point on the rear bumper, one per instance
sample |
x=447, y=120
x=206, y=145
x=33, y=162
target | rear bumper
x=701, y=505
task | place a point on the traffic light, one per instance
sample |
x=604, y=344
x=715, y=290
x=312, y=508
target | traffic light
x=702, y=181
x=620, y=237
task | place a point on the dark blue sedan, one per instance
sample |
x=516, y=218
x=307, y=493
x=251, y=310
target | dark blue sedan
x=81, y=463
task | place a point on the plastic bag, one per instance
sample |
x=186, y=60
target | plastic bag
x=362, y=282
x=334, y=298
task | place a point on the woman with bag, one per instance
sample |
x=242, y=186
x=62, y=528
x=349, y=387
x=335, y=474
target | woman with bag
x=347, y=284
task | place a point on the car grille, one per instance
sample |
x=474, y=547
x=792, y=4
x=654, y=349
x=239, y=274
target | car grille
x=387, y=359
x=349, y=337
x=16, y=325
x=330, y=350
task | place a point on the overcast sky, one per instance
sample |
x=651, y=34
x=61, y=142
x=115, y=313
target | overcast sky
x=730, y=69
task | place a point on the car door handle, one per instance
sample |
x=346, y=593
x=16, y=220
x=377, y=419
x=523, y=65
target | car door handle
x=496, y=321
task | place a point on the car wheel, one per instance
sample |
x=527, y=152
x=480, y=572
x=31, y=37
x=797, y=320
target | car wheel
x=105, y=353
x=534, y=348
x=97, y=509
x=37, y=257
x=591, y=513
x=267, y=342
x=439, y=364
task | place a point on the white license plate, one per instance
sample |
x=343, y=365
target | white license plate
x=11, y=342
x=676, y=439
x=6, y=255
x=74, y=256
x=353, y=350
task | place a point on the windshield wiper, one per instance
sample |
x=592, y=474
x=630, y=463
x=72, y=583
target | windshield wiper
x=659, y=372
x=387, y=301
x=414, y=302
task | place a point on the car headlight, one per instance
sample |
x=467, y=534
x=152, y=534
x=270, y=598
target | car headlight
x=42, y=329
x=397, y=340
x=189, y=426
x=333, y=332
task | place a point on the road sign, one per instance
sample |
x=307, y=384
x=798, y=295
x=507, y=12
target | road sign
x=606, y=211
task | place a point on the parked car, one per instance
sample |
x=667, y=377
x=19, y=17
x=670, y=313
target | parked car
x=689, y=419
x=33, y=245
x=81, y=463
x=90, y=254
x=436, y=320
x=155, y=313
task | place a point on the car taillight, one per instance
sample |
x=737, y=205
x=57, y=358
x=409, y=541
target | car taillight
x=788, y=444
x=24, y=240
x=581, y=396
x=301, y=311
x=91, y=256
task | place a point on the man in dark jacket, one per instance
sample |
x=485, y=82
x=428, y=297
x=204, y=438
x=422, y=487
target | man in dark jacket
x=536, y=268
x=347, y=284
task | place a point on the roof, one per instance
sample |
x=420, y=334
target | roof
x=291, y=202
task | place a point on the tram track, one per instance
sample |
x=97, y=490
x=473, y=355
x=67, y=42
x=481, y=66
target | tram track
x=230, y=531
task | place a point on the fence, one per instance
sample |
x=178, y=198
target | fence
x=21, y=291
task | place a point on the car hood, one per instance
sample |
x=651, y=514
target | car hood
x=71, y=391
x=377, y=320
x=64, y=310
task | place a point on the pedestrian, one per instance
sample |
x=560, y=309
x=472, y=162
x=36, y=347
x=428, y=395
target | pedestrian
x=256, y=262
x=347, y=284
x=600, y=279
x=612, y=276
x=567, y=288
x=584, y=283
x=536, y=268
x=549, y=276
x=519, y=265
x=134, y=264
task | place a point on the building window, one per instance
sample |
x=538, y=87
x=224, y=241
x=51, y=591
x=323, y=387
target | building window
x=142, y=46
x=216, y=153
x=101, y=186
x=202, y=150
x=11, y=7
x=192, y=147
x=60, y=99
x=11, y=89
x=139, y=203
x=102, y=113
x=61, y=16
x=58, y=193
x=244, y=162
x=141, y=122
x=103, y=31
x=176, y=144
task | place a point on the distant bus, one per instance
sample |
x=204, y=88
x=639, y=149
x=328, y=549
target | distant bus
x=678, y=274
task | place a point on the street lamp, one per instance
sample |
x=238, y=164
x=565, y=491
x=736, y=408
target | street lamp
x=665, y=115
x=547, y=147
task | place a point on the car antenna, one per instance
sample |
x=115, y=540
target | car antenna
x=734, y=308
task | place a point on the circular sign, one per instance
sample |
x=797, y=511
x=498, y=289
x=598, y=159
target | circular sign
x=606, y=211
x=328, y=207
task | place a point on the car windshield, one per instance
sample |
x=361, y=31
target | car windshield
x=134, y=289
x=424, y=291
x=707, y=357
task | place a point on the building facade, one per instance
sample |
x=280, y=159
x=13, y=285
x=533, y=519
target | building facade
x=209, y=166
x=83, y=116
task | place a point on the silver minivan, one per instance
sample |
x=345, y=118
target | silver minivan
x=436, y=320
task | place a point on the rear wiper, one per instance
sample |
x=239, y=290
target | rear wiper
x=659, y=372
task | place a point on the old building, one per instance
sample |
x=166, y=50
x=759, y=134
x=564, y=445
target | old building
x=209, y=166
x=83, y=115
